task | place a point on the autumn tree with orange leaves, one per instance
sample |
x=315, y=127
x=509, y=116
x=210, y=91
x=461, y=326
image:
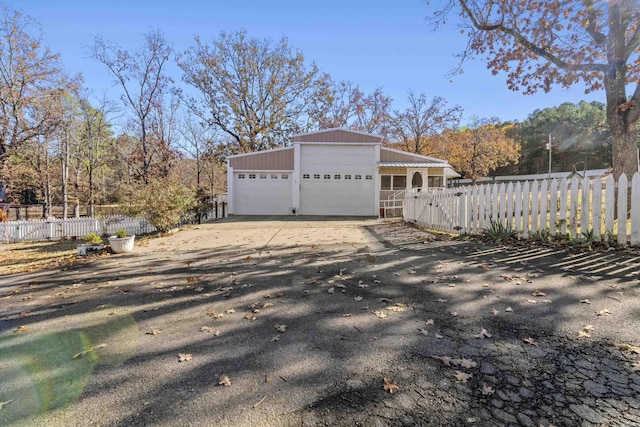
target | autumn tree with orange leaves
x=480, y=148
x=545, y=43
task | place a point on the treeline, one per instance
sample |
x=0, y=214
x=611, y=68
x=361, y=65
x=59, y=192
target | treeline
x=160, y=149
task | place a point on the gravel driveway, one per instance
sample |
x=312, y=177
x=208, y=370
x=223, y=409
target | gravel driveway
x=270, y=322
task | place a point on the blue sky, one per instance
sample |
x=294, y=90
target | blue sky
x=372, y=43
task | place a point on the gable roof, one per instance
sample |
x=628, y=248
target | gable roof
x=339, y=135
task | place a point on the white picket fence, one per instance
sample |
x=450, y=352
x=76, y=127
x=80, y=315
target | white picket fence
x=56, y=229
x=598, y=206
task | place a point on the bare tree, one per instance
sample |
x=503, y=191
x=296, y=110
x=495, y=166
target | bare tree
x=29, y=79
x=256, y=91
x=352, y=108
x=421, y=120
x=141, y=76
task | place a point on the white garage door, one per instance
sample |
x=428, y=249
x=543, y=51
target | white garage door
x=257, y=193
x=337, y=180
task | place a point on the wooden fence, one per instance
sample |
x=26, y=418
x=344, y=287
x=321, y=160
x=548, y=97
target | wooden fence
x=599, y=207
x=56, y=229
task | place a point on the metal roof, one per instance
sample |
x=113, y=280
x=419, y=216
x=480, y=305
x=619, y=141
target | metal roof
x=414, y=165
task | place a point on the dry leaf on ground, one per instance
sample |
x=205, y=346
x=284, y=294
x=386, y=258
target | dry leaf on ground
x=446, y=360
x=486, y=389
x=603, y=312
x=184, y=357
x=508, y=309
x=585, y=301
x=483, y=334
x=230, y=310
x=438, y=336
x=538, y=294
x=331, y=290
x=5, y=403
x=381, y=314
x=462, y=376
x=224, y=381
x=154, y=332
x=628, y=347
x=423, y=332
x=636, y=365
x=530, y=341
x=390, y=385
x=429, y=322
x=89, y=350
x=280, y=328
x=21, y=329
x=192, y=279
x=358, y=298
x=466, y=363
x=397, y=307
x=276, y=338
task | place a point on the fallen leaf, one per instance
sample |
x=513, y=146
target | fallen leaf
x=466, y=363
x=483, y=334
x=446, y=360
x=280, y=328
x=331, y=290
x=21, y=329
x=267, y=304
x=532, y=301
x=508, y=309
x=347, y=315
x=184, y=357
x=486, y=389
x=454, y=313
x=530, y=341
x=628, y=347
x=495, y=312
x=2, y=404
x=636, y=365
x=584, y=334
x=441, y=300
x=438, y=336
x=358, y=298
x=276, y=338
x=484, y=267
x=390, y=386
x=429, y=322
x=603, y=312
x=199, y=289
x=384, y=300
x=462, y=376
x=249, y=317
x=585, y=301
x=397, y=307
x=363, y=286
x=224, y=381
x=154, y=332
x=538, y=294
x=381, y=314
x=206, y=329
x=192, y=279
x=89, y=350
x=423, y=332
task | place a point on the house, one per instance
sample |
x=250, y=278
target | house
x=330, y=172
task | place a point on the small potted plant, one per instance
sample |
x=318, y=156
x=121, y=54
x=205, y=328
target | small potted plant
x=121, y=242
x=92, y=244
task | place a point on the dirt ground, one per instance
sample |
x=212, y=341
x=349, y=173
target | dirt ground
x=316, y=321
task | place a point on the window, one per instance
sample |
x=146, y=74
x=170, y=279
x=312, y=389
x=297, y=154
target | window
x=306, y=176
x=393, y=182
x=435, y=181
x=252, y=176
x=347, y=177
x=241, y=176
x=316, y=176
x=368, y=177
x=358, y=177
x=263, y=176
x=327, y=176
x=336, y=176
x=274, y=176
x=284, y=176
x=399, y=182
x=385, y=182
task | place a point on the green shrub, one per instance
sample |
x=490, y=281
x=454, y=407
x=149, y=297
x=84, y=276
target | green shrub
x=542, y=236
x=92, y=239
x=163, y=202
x=498, y=232
x=121, y=233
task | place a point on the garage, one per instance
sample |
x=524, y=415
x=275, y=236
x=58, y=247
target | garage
x=260, y=193
x=337, y=185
